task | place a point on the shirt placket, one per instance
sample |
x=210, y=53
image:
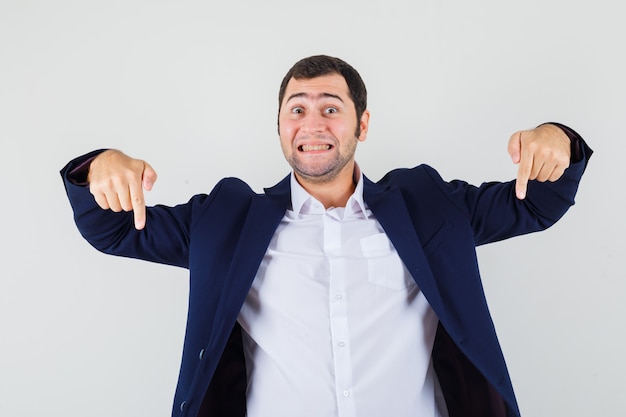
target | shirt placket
x=338, y=314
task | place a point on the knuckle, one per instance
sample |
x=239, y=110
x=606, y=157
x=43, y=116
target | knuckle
x=128, y=176
x=546, y=153
x=533, y=146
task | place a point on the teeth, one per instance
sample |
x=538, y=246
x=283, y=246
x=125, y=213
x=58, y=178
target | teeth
x=307, y=148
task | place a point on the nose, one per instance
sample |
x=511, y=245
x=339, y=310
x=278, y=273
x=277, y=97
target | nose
x=313, y=123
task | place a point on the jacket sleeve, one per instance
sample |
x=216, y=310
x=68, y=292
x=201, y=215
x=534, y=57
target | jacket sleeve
x=494, y=211
x=165, y=238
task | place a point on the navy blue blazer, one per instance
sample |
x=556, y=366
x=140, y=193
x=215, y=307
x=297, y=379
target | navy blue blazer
x=434, y=225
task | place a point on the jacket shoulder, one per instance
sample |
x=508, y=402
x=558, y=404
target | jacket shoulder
x=419, y=178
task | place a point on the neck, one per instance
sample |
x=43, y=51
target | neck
x=334, y=193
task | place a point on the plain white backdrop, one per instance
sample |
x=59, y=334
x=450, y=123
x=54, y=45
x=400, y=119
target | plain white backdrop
x=191, y=86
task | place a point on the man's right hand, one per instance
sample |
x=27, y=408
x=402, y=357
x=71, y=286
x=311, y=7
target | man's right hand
x=117, y=182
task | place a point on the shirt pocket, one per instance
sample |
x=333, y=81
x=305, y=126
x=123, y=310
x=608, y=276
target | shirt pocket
x=384, y=266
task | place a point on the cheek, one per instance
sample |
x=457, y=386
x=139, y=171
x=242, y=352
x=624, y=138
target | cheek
x=286, y=131
x=341, y=130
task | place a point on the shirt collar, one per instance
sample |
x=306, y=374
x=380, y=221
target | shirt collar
x=302, y=201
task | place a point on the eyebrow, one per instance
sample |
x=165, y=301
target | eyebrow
x=306, y=95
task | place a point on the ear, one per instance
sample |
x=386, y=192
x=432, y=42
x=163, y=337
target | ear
x=364, y=123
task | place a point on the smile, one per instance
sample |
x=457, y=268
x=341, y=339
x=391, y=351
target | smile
x=309, y=148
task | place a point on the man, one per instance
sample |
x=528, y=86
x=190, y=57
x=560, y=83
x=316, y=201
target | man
x=331, y=295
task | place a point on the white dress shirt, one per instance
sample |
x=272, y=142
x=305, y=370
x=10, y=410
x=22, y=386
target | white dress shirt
x=334, y=325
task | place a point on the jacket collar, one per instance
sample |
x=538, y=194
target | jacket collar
x=280, y=192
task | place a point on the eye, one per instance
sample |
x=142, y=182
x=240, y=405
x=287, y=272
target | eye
x=330, y=110
x=297, y=110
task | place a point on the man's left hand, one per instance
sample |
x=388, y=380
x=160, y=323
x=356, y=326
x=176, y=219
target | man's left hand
x=542, y=153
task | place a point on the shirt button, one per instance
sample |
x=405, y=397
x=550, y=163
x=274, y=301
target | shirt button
x=201, y=354
x=346, y=394
x=339, y=296
x=341, y=344
x=182, y=405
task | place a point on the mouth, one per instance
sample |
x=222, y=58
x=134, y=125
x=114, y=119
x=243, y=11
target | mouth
x=313, y=148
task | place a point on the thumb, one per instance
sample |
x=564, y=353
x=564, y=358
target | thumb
x=149, y=176
x=515, y=146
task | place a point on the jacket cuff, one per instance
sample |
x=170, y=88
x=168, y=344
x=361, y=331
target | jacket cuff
x=77, y=170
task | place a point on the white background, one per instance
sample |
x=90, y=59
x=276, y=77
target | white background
x=191, y=86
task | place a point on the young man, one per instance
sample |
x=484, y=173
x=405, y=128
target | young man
x=331, y=295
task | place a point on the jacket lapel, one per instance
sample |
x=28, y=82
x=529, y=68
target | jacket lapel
x=392, y=213
x=264, y=215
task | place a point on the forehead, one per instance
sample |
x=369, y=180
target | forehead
x=331, y=84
